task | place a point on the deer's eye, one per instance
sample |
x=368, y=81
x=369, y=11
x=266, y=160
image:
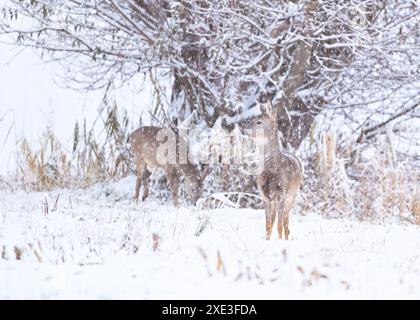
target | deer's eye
x=259, y=122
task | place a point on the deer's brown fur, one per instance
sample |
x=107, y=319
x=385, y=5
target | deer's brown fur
x=145, y=144
x=281, y=177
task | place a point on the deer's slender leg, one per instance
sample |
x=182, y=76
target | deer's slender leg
x=137, y=190
x=280, y=212
x=140, y=173
x=192, y=195
x=145, y=178
x=268, y=224
x=286, y=225
x=288, y=204
x=174, y=185
x=285, y=220
x=270, y=217
x=274, y=206
x=174, y=189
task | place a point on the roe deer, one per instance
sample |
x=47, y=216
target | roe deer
x=281, y=176
x=145, y=143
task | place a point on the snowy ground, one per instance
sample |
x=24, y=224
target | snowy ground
x=97, y=243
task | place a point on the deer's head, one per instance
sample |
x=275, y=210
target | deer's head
x=195, y=176
x=264, y=125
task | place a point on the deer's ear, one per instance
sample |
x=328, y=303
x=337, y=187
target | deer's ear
x=269, y=106
x=205, y=170
x=271, y=111
x=263, y=108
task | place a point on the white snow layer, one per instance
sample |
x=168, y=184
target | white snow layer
x=98, y=244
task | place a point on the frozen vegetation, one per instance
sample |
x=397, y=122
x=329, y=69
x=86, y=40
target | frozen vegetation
x=97, y=243
x=344, y=81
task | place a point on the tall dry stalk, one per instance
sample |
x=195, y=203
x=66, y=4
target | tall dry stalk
x=90, y=160
x=46, y=167
x=334, y=186
x=387, y=186
x=415, y=204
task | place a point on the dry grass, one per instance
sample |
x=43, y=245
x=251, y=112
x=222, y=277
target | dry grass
x=336, y=184
x=381, y=186
x=386, y=186
x=52, y=166
x=156, y=241
x=415, y=205
x=331, y=192
x=45, y=168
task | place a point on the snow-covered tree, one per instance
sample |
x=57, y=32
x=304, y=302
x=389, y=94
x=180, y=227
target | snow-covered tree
x=224, y=57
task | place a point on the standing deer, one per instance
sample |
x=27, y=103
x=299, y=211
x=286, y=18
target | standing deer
x=145, y=143
x=281, y=176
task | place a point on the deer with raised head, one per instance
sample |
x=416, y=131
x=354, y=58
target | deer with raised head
x=281, y=175
x=146, y=143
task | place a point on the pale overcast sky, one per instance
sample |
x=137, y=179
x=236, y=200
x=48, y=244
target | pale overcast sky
x=30, y=100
